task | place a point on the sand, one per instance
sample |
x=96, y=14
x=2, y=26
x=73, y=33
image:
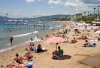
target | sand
x=74, y=54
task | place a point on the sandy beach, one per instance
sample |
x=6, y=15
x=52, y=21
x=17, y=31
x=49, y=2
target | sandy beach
x=73, y=54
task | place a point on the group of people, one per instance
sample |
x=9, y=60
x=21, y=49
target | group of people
x=37, y=49
x=18, y=60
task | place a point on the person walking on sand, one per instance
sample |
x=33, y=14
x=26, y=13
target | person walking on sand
x=11, y=40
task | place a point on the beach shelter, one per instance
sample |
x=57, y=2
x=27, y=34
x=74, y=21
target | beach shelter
x=55, y=40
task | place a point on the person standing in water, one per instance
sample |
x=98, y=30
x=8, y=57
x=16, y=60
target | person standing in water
x=11, y=40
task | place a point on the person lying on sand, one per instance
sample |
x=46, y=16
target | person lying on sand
x=97, y=29
x=84, y=37
x=74, y=40
x=88, y=44
x=17, y=65
x=18, y=62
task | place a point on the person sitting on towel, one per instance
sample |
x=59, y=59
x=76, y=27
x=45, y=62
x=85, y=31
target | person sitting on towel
x=33, y=48
x=39, y=49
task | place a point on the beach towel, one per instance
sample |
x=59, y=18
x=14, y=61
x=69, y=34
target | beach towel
x=30, y=64
x=90, y=46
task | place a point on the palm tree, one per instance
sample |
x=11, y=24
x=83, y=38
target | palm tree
x=84, y=13
x=98, y=11
x=88, y=13
x=94, y=12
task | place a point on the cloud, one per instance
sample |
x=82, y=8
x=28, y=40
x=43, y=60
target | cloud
x=91, y=1
x=30, y=1
x=40, y=0
x=55, y=2
x=80, y=5
x=77, y=5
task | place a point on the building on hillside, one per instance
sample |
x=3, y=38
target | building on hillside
x=76, y=17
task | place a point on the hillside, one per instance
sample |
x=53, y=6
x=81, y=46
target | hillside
x=4, y=18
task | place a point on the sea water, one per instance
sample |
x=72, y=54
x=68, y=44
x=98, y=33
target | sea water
x=20, y=34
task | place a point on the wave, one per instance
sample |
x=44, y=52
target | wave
x=22, y=35
x=6, y=49
x=25, y=34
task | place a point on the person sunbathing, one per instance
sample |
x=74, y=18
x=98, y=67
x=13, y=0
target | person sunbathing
x=97, y=29
x=88, y=44
x=17, y=65
x=84, y=37
x=73, y=41
x=18, y=59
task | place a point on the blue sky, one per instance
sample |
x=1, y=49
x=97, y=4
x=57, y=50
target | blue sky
x=35, y=8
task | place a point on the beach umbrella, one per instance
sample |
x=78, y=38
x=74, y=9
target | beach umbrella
x=55, y=40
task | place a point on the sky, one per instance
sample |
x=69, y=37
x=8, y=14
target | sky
x=36, y=8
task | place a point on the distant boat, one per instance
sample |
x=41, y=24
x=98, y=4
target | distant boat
x=26, y=20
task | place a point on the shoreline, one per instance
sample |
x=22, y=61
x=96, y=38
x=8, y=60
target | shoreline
x=74, y=52
x=20, y=45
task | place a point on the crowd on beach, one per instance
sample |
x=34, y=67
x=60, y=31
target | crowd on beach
x=79, y=34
